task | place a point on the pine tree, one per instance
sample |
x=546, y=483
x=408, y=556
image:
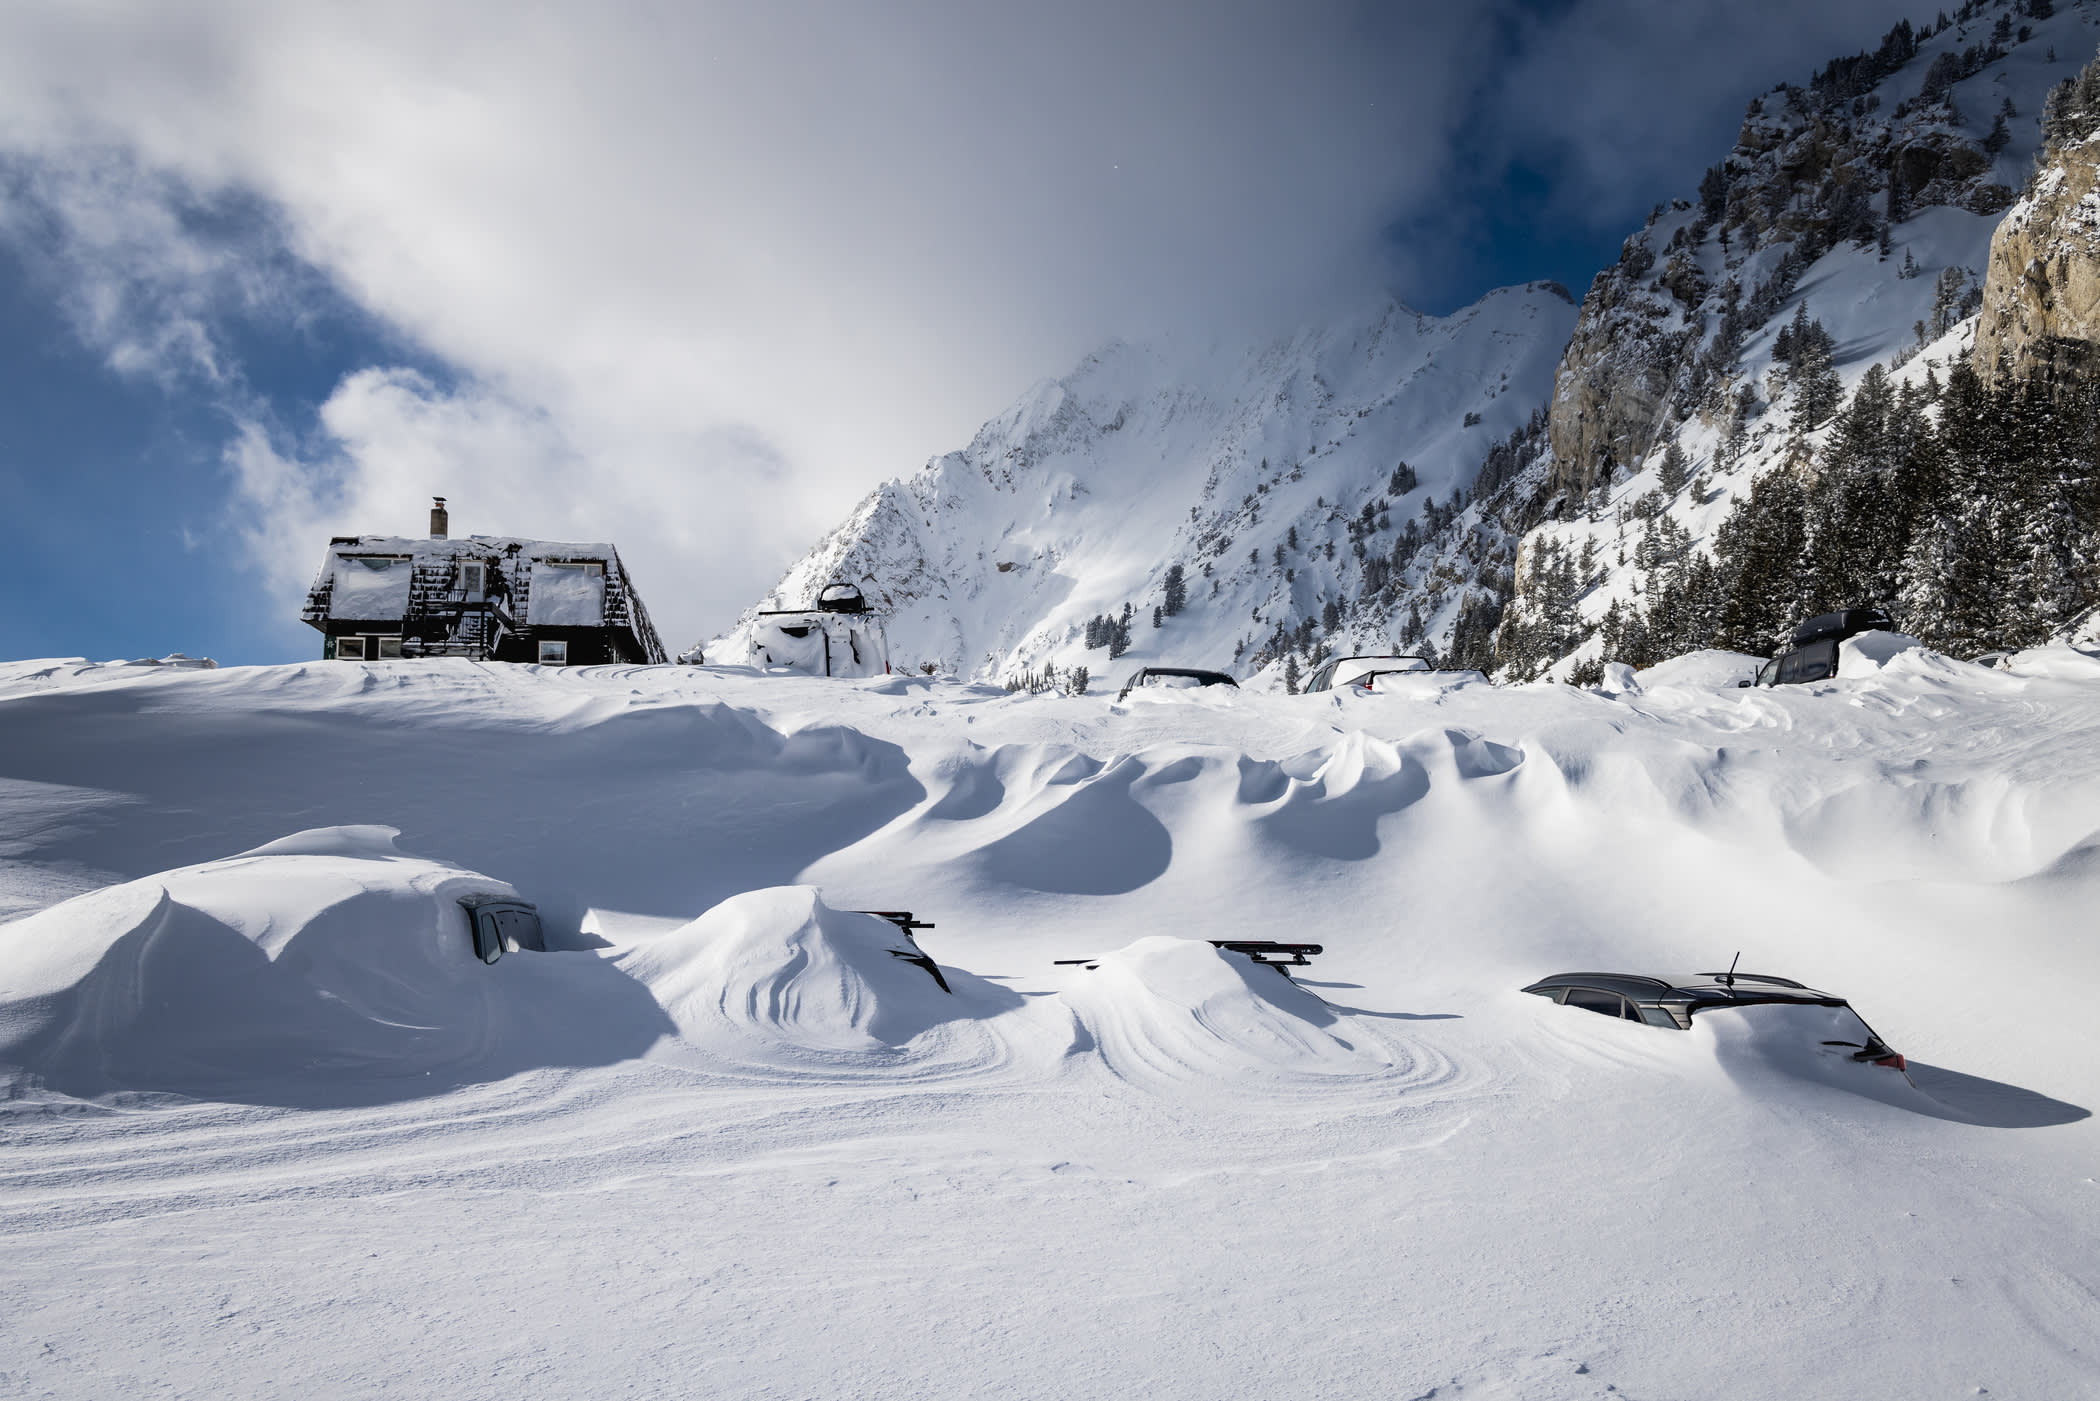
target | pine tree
x=1817, y=389
x=1761, y=549
x=1175, y=587
x=1954, y=575
x=2048, y=517
x=1119, y=634
x=1788, y=342
x=1946, y=298
x=1673, y=470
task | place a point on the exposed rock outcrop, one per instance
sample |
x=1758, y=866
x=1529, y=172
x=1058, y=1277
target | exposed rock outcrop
x=1611, y=392
x=1871, y=142
x=2041, y=293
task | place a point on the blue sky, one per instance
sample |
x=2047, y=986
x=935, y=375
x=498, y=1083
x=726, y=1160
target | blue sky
x=117, y=482
x=696, y=281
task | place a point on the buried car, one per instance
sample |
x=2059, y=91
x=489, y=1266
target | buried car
x=1362, y=671
x=1674, y=1002
x=1173, y=678
x=500, y=923
x=840, y=636
x=1813, y=655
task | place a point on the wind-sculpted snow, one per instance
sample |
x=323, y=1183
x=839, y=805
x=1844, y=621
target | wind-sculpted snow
x=1328, y=801
x=1086, y=836
x=1166, y=1009
x=267, y=1119
x=324, y=967
x=780, y=976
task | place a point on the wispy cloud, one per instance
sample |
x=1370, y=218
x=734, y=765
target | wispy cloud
x=704, y=273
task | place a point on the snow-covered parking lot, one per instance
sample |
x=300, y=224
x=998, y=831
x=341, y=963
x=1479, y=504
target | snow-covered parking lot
x=271, y=1129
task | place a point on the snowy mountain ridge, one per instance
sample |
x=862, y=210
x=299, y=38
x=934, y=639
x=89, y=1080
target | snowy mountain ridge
x=1076, y=501
x=1615, y=445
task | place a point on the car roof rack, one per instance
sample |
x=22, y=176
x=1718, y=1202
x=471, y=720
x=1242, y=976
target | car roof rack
x=1591, y=976
x=1725, y=979
x=1267, y=952
x=906, y=922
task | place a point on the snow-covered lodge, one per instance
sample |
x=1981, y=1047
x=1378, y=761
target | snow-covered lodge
x=491, y=598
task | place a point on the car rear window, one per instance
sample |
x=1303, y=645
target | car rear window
x=1811, y=663
x=1594, y=1000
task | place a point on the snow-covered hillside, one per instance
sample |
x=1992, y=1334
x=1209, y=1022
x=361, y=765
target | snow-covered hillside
x=1866, y=202
x=1863, y=202
x=1269, y=477
x=269, y=1125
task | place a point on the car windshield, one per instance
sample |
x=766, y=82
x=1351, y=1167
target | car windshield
x=1793, y=1029
x=1811, y=663
x=1174, y=683
x=1357, y=668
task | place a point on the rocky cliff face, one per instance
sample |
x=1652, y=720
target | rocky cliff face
x=1612, y=389
x=1864, y=203
x=1872, y=143
x=2041, y=295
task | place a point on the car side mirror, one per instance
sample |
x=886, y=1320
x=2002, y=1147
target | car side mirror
x=488, y=939
x=499, y=922
x=1742, y=685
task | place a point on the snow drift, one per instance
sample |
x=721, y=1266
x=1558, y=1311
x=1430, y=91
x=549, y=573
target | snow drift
x=323, y=967
x=763, y=1117
x=780, y=973
x=1169, y=1009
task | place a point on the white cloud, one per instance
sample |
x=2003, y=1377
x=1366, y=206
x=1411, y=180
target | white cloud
x=111, y=245
x=709, y=271
x=1633, y=98
x=390, y=439
x=743, y=261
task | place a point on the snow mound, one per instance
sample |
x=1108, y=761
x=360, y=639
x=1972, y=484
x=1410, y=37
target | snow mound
x=1765, y=1048
x=1619, y=680
x=325, y=967
x=1866, y=654
x=1178, y=1009
x=2056, y=662
x=779, y=968
x=47, y=673
x=1327, y=801
x=1708, y=669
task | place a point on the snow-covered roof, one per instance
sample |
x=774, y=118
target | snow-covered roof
x=566, y=597
x=368, y=576
x=472, y=546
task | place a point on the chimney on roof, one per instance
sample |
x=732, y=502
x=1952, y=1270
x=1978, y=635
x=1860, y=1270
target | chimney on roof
x=439, y=521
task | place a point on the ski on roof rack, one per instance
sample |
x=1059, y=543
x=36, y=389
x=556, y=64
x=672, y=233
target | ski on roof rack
x=1267, y=952
x=911, y=953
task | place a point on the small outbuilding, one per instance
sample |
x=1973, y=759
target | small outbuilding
x=486, y=597
x=840, y=636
